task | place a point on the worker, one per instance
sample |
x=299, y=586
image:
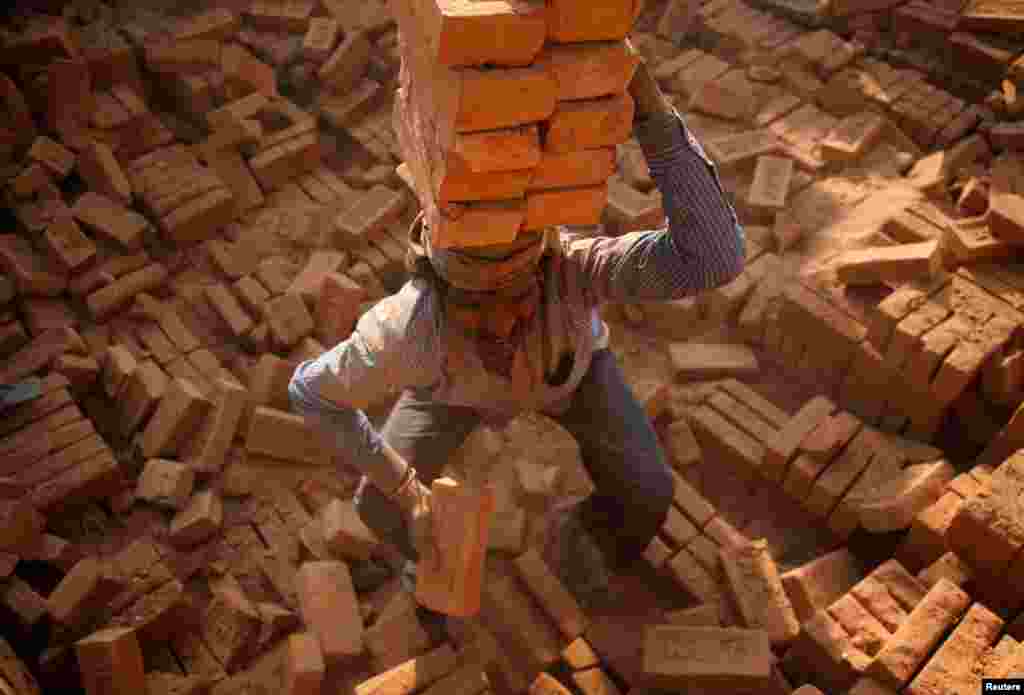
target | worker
x=482, y=334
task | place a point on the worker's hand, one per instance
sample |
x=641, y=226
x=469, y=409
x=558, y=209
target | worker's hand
x=420, y=521
x=646, y=94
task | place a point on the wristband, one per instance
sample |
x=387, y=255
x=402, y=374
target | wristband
x=407, y=480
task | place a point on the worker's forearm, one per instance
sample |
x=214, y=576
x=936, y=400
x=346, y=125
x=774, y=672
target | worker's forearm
x=348, y=429
x=703, y=226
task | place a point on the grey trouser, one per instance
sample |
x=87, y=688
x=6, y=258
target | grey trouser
x=618, y=446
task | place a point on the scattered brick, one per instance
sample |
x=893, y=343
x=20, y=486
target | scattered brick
x=557, y=602
x=107, y=300
x=288, y=319
x=344, y=532
x=110, y=219
x=413, y=675
x=166, y=483
x=229, y=309
x=230, y=624
x=817, y=584
x=953, y=665
x=915, y=639
x=110, y=662
x=689, y=574
x=179, y=413
x=54, y=156
x=375, y=210
x=329, y=609
x=207, y=451
x=86, y=588
x=679, y=657
x=753, y=579
x=396, y=635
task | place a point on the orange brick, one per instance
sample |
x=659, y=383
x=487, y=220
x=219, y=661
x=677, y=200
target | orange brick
x=288, y=319
x=103, y=174
x=949, y=566
x=581, y=206
x=229, y=309
x=165, y=483
x=281, y=16
x=231, y=623
x=890, y=593
x=346, y=66
x=285, y=436
x=818, y=583
x=111, y=220
x=546, y=684
x=754, y=581
x=68, y=244
x=110, y=662
x=328, y=605
x=179, y=413
x=585, y=71
x=911, y=644
x=320, y=38
x=571, y=169
x=217, y=24
x=509, y=612
x=375, y=210
x=677, y=657
x=690, y=575
x=742, y=417
x=557, y=602
x=590, y=123
x=308, y=282
x=953, y=665
x=779, y=452
x=57, y=158
x=719, y=437
x=926, y=541
x=198, y=521
x=143, y=389
x=184, y=56
x=413, y=675
x=114, y=296
x=85, y=589
x=207, y=451
x=825, y=650
x=244, y=73
x=572, y=20
x=20, y=525
x=200, y=218
x=39, y=352
x=344, y=531
x=281, y=163
x=594, y=681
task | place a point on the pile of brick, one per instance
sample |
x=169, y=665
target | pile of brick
x=486, y=167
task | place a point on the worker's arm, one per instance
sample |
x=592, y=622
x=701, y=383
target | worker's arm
x=390, y=349
x=702, y=246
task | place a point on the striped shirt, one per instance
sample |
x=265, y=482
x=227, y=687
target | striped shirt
x=402, y=342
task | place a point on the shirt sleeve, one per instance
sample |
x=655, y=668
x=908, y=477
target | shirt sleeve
x=389, y=350
x=702, y=246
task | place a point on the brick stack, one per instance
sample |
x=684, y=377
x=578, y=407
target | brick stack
x=485, y=166
x=984, y=533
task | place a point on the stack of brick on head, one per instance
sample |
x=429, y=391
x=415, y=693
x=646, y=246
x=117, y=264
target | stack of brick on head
x=508, y=119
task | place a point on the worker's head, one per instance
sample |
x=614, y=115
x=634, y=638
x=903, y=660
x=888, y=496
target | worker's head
x=493, y=268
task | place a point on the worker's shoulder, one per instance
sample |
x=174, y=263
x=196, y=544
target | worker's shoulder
x=407, y=315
